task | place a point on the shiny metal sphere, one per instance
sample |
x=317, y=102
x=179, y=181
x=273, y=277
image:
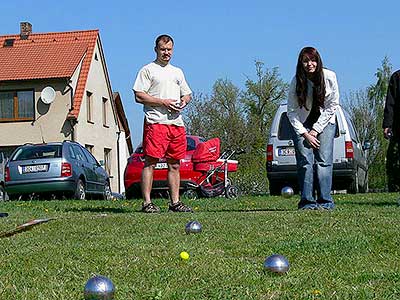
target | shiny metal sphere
x=193, y=227
x=287, y=192
x=99, y=288
x=277, y=263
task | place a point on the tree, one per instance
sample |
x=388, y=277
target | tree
x=220, y=115
x=261, y=99
x=366, y=109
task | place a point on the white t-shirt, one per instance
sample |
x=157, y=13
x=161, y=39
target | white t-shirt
x=297, y=115
x=165, y=82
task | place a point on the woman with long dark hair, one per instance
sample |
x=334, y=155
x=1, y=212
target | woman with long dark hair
x=313, y=99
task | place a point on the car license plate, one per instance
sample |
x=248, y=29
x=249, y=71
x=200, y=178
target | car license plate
x=289, y=151
x=34, y=169
x=161, y=165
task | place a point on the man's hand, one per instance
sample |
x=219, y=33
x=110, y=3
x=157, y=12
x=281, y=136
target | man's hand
x=312, y=140
x=387, y=133
x=171, y=104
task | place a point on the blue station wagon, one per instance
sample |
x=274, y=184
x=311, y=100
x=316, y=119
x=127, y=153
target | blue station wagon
x=51, y=170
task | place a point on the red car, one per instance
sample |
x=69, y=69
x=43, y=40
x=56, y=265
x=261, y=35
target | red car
x=135, y=165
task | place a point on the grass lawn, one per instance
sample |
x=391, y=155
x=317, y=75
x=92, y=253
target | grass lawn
x=350, y=253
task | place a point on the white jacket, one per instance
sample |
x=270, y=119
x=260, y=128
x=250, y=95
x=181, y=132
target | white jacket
x=297, y=116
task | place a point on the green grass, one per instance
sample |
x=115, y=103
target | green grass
x=351, y=253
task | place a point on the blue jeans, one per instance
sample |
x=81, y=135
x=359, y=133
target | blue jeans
x=318, y=162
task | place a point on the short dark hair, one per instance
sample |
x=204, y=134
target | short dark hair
x=165, y=38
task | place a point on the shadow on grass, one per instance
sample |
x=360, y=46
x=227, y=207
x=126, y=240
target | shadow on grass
x=250, y=210
x=371, y=203
x=100, y=210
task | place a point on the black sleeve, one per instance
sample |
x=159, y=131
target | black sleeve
x=391, y=98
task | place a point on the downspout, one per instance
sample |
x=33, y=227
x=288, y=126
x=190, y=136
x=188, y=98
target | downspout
x=71, y=121
x=118, y=160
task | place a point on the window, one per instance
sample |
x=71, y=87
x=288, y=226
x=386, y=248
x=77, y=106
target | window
x=17, y=106
x=89, y=148
x=37, y=152
x=79, y=153
x=107, y=160
x=91, y=158
x=71, y=152
x=285, y=131
x=105, y=104
x=89, y=106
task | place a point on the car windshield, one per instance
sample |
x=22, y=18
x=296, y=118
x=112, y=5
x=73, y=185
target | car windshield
x=37, y=152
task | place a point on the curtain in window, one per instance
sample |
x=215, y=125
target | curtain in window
x=25, y=104
x=6, y=105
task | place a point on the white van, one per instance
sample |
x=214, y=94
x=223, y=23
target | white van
x=350, y=171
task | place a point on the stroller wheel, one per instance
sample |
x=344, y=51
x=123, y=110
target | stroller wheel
x=190, y=194
x=232, y=192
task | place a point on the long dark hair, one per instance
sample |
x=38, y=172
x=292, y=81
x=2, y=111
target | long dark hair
x=318, y=79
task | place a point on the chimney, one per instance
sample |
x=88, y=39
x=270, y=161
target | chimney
x=25, y=30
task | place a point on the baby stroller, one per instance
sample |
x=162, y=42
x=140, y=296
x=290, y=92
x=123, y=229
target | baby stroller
x=213, y=170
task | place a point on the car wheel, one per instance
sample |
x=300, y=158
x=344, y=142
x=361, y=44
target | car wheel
x=190, y=194
x=353, y=187
x=80, y=193
x=107, y=192
x=2, y=193
x=274, y=189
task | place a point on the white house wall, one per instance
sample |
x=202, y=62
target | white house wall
x=95, y=133
x=124, y=155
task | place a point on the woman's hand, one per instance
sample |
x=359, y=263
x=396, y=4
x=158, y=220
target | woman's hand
x=311, y=139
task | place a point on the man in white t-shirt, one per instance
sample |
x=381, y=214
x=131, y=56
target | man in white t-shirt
x=163, y=91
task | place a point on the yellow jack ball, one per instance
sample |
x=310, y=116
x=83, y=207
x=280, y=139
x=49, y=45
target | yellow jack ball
x=184, y=255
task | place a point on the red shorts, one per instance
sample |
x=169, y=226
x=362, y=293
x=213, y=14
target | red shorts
x=164, y=141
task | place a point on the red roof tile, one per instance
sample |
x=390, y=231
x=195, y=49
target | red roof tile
x=49, y=55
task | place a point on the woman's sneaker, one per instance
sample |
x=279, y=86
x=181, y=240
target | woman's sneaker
x=150, y=208
x=179, y=207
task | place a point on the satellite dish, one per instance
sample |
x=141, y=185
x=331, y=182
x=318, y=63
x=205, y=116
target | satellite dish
x=48, y=95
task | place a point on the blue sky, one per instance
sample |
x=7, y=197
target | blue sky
x=222, y=39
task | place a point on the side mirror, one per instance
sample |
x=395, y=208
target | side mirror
x=101, y=162
x=366, y=145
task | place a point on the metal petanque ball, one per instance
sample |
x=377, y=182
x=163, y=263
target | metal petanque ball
x=277, y=263
x=287, y=192
x=99, y=288
x=193, y=227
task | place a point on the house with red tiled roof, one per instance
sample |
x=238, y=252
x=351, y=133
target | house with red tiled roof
x=55, y=86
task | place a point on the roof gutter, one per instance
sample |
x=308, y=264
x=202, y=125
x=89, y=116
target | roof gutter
x=71, y=121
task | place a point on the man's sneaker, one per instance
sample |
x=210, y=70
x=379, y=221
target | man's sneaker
x=150, y=208
x=179, y=207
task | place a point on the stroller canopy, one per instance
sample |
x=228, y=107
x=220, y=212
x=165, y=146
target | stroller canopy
x=207, y=151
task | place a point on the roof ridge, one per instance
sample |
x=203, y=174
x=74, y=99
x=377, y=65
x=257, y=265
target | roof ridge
x=50, y=33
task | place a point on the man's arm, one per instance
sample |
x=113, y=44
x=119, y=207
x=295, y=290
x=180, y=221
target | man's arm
x=146, y=99
x=388, y=114
x=185, y=100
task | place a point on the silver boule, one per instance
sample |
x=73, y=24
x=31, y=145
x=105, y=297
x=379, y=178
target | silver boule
x=193, y=227
x=287, y=192
x=99, y=288
x=276, y=263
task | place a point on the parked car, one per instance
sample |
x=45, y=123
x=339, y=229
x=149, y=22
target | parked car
x=133, y=170
x=3, y=161
x=350, y=171
x=55, y=170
